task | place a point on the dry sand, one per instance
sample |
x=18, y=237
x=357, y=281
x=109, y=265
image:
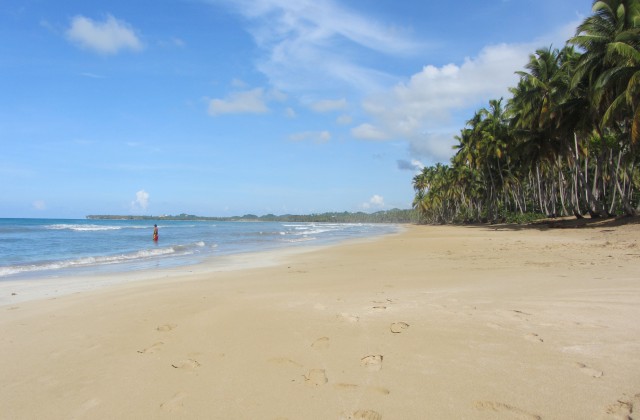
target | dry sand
x=431, y=323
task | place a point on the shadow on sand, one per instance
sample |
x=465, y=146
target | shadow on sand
x=563, y=223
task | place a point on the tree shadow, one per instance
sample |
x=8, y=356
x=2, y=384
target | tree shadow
x=565, y=223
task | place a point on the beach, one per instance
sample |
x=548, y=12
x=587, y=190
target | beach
x=434, y=322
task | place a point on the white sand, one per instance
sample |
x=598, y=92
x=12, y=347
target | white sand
x=436, y=322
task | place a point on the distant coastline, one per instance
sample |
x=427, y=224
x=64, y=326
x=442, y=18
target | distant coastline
x=387, y=216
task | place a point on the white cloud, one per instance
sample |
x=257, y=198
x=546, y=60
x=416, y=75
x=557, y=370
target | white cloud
x=437, y=147
x=314, y=136
x=344, y=119
x=422, y=110
x=311, y=45
x=107, y=37
x=375, y=202
x=141, y=202
x=250, y=101
x=369, y=132
x=329, y=105
x=277, y=95
x=413, y=165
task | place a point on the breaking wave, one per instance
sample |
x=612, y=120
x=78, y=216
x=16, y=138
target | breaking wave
x=100, y=260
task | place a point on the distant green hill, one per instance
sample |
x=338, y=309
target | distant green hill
x=387, y=216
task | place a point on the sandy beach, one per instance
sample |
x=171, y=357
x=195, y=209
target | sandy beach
x=486, y=322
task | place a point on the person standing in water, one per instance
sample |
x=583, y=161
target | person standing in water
x=155, y=233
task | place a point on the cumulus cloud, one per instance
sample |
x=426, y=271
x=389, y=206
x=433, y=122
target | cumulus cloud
x=329, y=105
x=249, y=101
x=309, y=46
x=107, y=37
x=314, y=136
x=421, y=109
x=344, y=119
x=436, y=146
x=141, y=202
x=375, y=202
x=369, y=132
x=412, y=165
x=276, y=95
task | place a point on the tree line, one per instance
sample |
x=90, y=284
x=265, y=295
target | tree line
x=385, y=216
x=565, y=143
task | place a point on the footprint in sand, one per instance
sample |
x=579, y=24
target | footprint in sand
x=519, y=314
x=283, y=361
x=352, y=387
x=534, y=338
x=398, y=327
x=594, y=373
x=348, y=317
x=381, y=305
x=321, y=343
x=166, y=327
x=316, y=377
x=361, y=415
x=513, y=412
x=372, y=362
x=154, y=348
x=626, y=408
x=175, y=403
x=186, y=364
x=346, y=387
x=379, y=390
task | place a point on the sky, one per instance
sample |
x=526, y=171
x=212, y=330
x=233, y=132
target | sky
x=233, y=107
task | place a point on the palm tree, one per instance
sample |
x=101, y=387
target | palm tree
x=569, y=135
x=610, y=66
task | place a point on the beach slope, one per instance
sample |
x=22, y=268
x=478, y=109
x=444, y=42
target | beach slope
x=434, y=322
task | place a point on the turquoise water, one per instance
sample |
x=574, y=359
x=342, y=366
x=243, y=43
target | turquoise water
x=37, y=248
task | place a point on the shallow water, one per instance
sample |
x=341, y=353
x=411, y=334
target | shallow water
x=37, y=248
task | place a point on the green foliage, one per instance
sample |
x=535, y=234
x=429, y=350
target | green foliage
x=388, y=216
x=567, y=142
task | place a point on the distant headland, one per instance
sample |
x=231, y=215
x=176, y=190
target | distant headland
x=386, y=216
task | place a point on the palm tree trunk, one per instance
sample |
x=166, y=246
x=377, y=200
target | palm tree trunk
x=576, y=174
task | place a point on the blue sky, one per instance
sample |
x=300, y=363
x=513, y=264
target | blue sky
x=228, y=107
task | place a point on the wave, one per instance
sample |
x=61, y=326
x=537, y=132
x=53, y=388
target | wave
x=297, y=240
x=315, y=230
x=102, y=260
x=86, y=228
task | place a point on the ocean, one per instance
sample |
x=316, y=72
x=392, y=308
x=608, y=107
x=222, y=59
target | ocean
x=46, y=248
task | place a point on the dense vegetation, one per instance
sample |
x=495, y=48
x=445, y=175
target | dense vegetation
x=388, y=216
x=567, y=142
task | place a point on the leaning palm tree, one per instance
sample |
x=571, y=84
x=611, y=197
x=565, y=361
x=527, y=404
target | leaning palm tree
x=610, y=66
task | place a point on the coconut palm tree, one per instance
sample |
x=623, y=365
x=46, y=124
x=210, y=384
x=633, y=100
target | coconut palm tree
x=568, y=138
x=610, y=66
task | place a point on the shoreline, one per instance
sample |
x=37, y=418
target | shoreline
x=435, y=321
x=26, y=288
x=184, y=245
